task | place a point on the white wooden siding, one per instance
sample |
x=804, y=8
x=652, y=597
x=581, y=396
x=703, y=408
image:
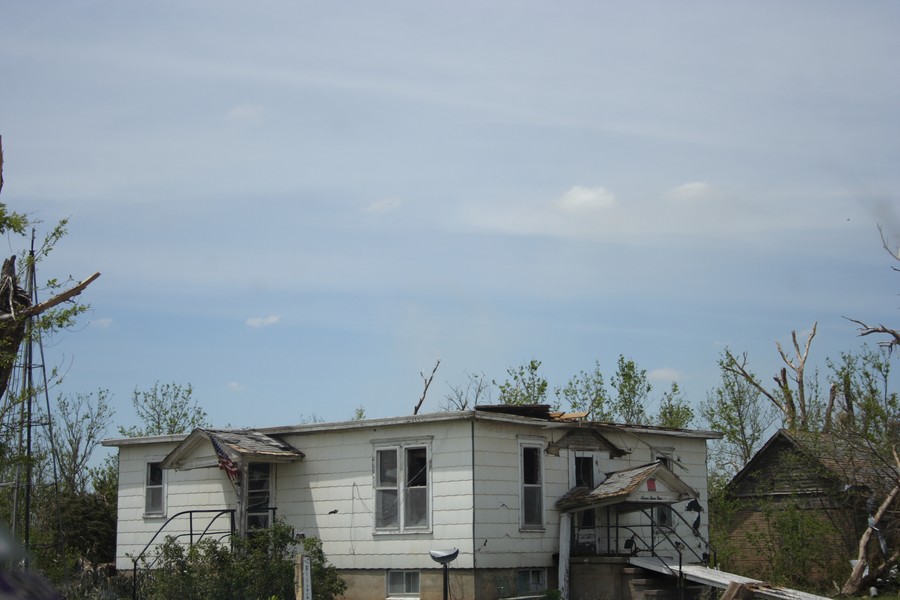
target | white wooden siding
x=329, y=494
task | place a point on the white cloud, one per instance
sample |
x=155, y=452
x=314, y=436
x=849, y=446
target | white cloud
x=234, y=386
x=581, y=198
x=690, y=192
x=245, y=112
x=385, y=205
x=103, y=323
x=665, y=374
x=263, y=321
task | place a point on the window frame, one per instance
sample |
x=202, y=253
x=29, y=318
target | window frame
x=271, y=499
x=662, y=513
x=538, y=448
x=405, y=593
x=402, y=486
x=150, y=513
x=529, y=573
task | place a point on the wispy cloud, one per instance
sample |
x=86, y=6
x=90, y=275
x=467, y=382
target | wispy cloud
x=386, y=205
x=263, y=321
x=234, y=386
x=246, y=112
x=665, y=374
x=102, y=323
x=690, y=192
x=580, y=199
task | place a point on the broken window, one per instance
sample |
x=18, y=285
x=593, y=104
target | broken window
x=154, y=490
x=532, y=487
x=584, y=477
x=401, y=488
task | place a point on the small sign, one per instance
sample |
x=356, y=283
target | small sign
x=651, y=485
x=307, y=579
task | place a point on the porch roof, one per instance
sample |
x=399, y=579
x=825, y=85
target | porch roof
x=244, y=445
x=630, y=487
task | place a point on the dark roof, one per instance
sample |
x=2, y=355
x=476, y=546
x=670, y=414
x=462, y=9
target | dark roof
x=253, y=443
x=535, y=411
x=851, y=461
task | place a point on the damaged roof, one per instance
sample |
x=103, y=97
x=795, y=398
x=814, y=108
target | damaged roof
x=243, y=445
x=620, y=486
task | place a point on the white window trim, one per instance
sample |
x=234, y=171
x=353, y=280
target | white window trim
x=401, y=446
x=161, y=514
x=405, y=595
x=539, y=445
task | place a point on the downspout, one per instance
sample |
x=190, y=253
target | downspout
x=474, y=553
x=565, y=544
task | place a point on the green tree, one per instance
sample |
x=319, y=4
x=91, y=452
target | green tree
x=165, y=409
x=586, y=392
x=80, y=421
x=737, y=409
x=860, y=384
x=674, y=410
x=525, y=385
x=632, y=391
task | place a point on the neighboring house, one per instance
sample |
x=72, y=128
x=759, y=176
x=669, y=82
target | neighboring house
x=809, y=492
x=523, y=493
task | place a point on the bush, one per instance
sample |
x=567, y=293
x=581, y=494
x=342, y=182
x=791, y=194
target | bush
x=259, y=566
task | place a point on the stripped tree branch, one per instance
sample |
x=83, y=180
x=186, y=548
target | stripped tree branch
x=427, y=381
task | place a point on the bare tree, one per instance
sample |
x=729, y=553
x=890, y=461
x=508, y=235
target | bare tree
x=474, y=392
x=893, y=335
x=790, y=399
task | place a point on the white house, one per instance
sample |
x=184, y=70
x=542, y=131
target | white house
x=533, y=500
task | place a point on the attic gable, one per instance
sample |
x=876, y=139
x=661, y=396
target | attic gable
x=584, y=438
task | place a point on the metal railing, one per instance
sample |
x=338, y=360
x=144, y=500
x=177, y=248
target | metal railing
x=136, y=575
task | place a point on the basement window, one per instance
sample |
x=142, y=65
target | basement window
x=403, y=584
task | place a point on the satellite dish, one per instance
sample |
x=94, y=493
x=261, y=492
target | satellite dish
x=444, y=556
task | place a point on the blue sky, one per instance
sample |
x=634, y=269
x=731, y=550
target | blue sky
x=297, y=206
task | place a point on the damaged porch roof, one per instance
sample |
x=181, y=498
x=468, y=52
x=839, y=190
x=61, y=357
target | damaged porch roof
x=648, y=484
x=244, y=445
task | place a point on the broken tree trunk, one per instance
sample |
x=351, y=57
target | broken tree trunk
x=15, y=310
x=857, y=581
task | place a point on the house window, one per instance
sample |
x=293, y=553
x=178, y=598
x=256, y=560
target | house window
x=530, y=580
x=663, y=514
x=259, y=495
x=154, y=490
x=532, y=487
x=402, y=488
x=584, y=477
x=584, y=471
x=403, y=584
